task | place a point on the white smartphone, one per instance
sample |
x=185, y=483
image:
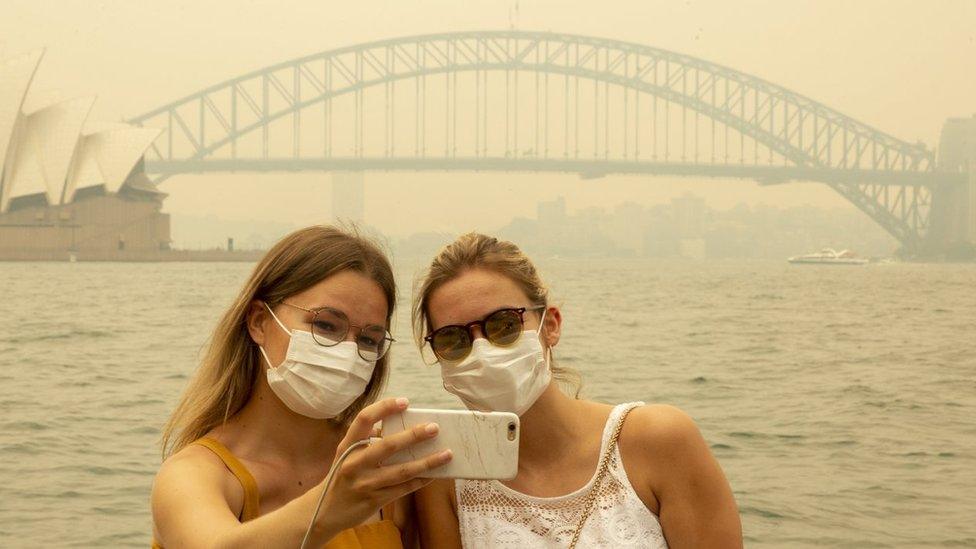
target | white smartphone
x=485, y=444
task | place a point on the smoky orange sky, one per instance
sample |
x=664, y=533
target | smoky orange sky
x=901, y=66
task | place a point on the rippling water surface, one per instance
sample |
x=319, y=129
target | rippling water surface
x=840, y=401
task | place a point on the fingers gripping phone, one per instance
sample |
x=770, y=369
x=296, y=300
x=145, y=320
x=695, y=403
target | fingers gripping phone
x=485, y=444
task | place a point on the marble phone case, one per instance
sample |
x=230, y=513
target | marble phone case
x=485, y=445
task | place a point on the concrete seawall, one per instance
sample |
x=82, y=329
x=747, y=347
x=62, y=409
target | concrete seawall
x=249, y=256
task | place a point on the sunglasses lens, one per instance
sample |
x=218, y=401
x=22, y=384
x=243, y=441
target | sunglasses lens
x=451, y=343
x=503, y=327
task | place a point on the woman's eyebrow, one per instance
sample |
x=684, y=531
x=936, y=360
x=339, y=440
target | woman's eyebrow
x=313, y=310
x=482, y=316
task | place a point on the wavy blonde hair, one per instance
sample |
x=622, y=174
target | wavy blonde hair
x=222, y=384
x=474, y=250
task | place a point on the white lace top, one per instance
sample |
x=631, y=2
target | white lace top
x=492, y=515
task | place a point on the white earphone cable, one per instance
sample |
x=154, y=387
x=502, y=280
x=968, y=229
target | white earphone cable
x=328, y=483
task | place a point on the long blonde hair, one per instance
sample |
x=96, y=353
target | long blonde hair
x=474, y=250
x=223, y=382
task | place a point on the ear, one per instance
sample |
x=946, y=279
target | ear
x=552, y=327
x=257, y=319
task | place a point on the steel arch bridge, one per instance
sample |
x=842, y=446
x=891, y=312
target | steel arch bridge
x=539, y=101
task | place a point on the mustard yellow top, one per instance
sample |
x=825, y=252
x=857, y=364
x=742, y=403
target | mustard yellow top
x=382, y=534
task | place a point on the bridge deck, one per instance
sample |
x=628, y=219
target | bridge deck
x=585, y=168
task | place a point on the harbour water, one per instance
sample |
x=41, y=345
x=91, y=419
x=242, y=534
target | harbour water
x=839, y=401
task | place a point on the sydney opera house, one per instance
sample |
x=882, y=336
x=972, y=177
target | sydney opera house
x=68, y=191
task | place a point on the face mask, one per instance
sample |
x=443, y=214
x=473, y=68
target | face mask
x=316, y=381
x=500, y=379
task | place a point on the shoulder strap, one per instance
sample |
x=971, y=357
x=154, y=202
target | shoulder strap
x=602, y=472
x=617, y=415
x=251, y=497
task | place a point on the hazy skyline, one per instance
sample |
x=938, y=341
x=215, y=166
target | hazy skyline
x=903, y=67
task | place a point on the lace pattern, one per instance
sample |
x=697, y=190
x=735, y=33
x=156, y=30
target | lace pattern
x=493, y=515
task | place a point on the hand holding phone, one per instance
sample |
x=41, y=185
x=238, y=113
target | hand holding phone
x=485, y=444
x=358, y=483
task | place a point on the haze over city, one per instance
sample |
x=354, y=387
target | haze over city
x=752, y=223
x=902, y=67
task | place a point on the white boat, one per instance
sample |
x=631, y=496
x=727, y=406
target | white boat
x=828, y=256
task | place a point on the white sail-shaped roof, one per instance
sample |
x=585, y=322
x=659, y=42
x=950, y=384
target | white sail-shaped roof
x=119, y=150
x=47, y=144
x=23, y=171
x=107, y=157
x=84, y=170
x=16, y=74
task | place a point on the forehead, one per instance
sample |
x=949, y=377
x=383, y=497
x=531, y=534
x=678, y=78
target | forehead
x=472, y=295
x=352, y=292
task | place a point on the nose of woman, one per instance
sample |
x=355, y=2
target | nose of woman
x=476, y=332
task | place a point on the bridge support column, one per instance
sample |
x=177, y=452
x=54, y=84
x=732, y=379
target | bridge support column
x=971, y=233
x=949, y=221
x=348, y=197
x=952, y=230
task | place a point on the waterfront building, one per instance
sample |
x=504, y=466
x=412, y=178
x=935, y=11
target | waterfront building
x=68, y=191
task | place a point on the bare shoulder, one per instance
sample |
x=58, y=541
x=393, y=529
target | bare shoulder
x=661, y=432
x=679, y=479
x=438, y=492
x=188, y=478
x=193, y=463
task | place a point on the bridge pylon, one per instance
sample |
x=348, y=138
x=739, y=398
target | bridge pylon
x=952, y=233
x=972, y=201
x=348, y=197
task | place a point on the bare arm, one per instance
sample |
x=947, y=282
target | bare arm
x=191, y=502
x=191, y=508
x=437, y=515
x=697, y=508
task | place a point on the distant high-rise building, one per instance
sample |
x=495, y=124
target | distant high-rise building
x=348, y=196
x=552, y=212
x=689, y=215
x=627, y=227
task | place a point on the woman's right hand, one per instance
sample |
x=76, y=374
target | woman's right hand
x=362, y=484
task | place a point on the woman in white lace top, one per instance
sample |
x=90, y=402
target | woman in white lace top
x=586, y=477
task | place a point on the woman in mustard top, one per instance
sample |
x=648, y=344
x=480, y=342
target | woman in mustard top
x=287, y=385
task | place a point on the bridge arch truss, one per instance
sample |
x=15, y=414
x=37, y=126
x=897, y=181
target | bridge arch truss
x=536, y=101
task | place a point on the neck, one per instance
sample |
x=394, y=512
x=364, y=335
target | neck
x=266, y=426
x=549, y=426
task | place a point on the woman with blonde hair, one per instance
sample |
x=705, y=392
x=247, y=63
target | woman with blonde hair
x=287, y=386
x=589, y=474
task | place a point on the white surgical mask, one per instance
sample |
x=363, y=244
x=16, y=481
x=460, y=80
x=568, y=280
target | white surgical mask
x=316, y=381
x=500, y=379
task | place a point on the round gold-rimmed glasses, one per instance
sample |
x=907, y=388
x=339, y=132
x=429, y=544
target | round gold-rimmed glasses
x=330, y=327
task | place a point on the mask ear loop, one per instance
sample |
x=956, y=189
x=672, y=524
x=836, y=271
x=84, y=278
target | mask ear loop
x=548, y=350
x=287, y=331
x=266, y=359
x=275, y=317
